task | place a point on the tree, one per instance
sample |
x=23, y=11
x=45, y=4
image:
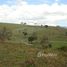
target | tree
x=41, y=25
x=46, y=26
x=24, y=23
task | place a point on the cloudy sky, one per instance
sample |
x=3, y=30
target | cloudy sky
x=51, y=12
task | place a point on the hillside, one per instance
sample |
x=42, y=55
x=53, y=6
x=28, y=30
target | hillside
x=20, y=51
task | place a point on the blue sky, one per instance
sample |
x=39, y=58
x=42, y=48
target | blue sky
x=55, y=9
x=9, y=2
x=62, y=23
x=36, y=1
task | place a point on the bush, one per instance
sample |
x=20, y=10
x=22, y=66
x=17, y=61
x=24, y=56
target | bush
x=50, y=45
x=25, y=33
x=64, y=48
x=5, y=34
x=44, y=42
x=66, y=33
x=32, y=37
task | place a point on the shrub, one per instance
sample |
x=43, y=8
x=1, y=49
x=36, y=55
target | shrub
x=50, y=45
x=32, y=37
x=64, y=48
x=25, y=33
x=66, y=33
x=44, y=42
x=5, y=34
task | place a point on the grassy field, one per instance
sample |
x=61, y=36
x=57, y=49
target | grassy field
x=18, y=52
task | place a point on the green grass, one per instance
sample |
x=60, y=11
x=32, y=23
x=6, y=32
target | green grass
x=57, y=44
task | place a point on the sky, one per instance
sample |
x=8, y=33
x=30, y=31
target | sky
x=39, y=12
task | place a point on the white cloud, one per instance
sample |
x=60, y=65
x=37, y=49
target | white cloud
x=40, y=14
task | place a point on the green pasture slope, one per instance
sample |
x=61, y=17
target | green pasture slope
x=18, y=52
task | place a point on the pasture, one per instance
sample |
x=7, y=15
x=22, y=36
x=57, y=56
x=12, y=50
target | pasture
x=20, y=52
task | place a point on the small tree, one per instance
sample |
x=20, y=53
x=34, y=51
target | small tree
x=41, y=25
x=46, y=26
x=25, y=23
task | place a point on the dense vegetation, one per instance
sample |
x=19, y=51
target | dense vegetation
x=32, y=46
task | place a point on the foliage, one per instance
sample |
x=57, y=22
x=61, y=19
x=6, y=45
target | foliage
x=50, y=45
x=32, y=37
x=46, y=26
x=25, y=33
x=63, y=48
x=66, y=33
